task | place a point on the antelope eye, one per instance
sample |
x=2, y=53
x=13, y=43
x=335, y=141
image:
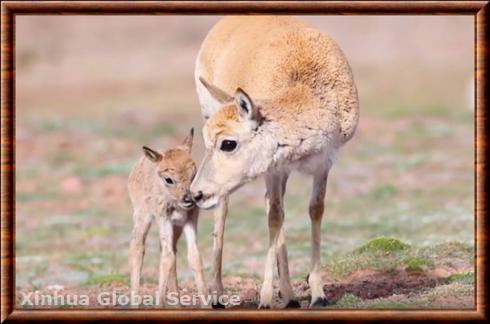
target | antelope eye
x=168, y=180
x=228, y=145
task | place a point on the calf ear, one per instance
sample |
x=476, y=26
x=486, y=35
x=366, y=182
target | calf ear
x=187, y=144
x=245, y=106
x=152, y=155
x=219, y=95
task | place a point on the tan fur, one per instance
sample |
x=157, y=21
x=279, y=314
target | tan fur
x=298, y=105
x=223, y=122
x=285, y=60
x=144, y=184
x=168, y=205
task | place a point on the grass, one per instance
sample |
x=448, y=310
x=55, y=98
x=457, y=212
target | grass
x=400, y=196
x=454, y=296
x=106, y=279
x=417, y=264
x=382, y=244
x=388, y=254
x=466, y=278
x=35, y=196
x=56, y=124
x=95, y=172
x=453, y=249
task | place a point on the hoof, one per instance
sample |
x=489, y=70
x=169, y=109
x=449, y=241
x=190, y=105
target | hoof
x=264, y=306
x=293, y=304
x=320, y=302
x=218, y=305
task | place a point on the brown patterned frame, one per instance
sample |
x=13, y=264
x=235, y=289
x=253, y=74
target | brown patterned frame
x=10, y=9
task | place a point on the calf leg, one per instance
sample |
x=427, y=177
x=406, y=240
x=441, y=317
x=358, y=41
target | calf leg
x=316, y=214
x=142, y=223
x=172, y=280
x=167, y=257
x=219, y=227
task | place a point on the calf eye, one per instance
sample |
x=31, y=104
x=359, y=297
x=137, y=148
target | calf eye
x=169, y=181
x=228, y=145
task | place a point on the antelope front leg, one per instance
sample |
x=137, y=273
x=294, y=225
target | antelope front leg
x=276, y=217
x=193, y=255
x=285, y=288
x=219, y=228
x=167, y=257
x=142, y=223
x=316, y=214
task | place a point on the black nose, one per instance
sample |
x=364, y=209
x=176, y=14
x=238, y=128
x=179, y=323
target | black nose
x=187, y=199
x=198, y=196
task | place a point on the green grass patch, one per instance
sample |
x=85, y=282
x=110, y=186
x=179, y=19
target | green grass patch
x=94, y=172
x=388, y=254
x=106, y=279
x=410, y=162
x=453, y=249
x=102, y=127
x=387, y=304
x=455, y=296
x=417, y=264
x=382, y=244
x=465, y=278
x=52, y=124
x=398, y=110
x=29, y=172
x=35, y=196
x=96, y=231
x=79, y=264
x=383, y=192
x=348, y=301
x=162, y=128
x=91, y=262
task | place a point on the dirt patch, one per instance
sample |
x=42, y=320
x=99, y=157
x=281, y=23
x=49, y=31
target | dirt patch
x=396, y=286
x=374, y=284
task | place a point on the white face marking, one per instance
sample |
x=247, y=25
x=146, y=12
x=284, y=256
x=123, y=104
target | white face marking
x=221, y=173
x=208, y=203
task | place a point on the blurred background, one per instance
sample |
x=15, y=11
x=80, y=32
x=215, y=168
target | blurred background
x=91, y=90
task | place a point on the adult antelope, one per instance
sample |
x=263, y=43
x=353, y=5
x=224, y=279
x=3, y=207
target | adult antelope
x=294, y=104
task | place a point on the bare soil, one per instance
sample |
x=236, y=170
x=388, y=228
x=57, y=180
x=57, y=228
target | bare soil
x=394, y=286
x=371, y=285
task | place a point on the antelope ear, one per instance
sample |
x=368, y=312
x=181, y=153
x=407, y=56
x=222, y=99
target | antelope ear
x=187, y=144
x=152, y=155
x=246, y=108
x=219, y=95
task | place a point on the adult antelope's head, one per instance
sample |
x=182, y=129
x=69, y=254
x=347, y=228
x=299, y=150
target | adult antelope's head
x=236, y=149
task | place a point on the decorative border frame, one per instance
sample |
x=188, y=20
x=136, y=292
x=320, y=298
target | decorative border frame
x=10, y=9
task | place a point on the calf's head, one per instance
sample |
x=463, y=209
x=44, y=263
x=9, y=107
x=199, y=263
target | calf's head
x=175, y=169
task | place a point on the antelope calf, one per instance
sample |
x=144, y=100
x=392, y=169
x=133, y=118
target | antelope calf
x=159, y=191
x=277, y=95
